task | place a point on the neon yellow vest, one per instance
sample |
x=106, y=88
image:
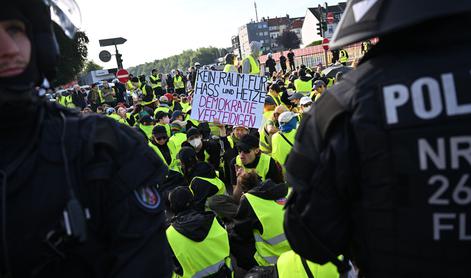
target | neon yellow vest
x=118, y=118
x=161, y=108
x=174, y=163
x=178, y=82
x=281, y=148
x=177, y=139
x=254, y=67
x=290, y=265
x=185, y=107
x=276, y=99
x=304, y=87
x=343, y=56
x=262, y=167
x=229, y=68
x=200, y=259
x=214, y=181
x=272, y=243
x=154, y=83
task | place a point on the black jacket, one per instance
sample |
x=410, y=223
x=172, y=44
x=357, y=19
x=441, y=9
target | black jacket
x=201, y=188
x=78, y=99
x=110, y=169
x=366, y=168
x=245, y=222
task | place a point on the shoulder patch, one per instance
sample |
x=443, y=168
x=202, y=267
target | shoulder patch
x=281, y=201
x=148, y=197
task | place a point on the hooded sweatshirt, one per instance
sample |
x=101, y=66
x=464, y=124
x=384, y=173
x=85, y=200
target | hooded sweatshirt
x=202, y=189
x=194, y=225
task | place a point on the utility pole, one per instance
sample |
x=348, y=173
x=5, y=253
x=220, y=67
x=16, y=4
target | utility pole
x=256, y=12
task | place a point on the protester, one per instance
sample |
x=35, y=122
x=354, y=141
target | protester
x=291, y=60
x=283, y=140
x=198, y=241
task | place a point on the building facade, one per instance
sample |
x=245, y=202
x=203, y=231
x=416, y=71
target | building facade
x=309, y=32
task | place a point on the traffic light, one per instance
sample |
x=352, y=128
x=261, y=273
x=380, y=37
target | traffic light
x=324, y=26
x=319, y=28
x=119, y=61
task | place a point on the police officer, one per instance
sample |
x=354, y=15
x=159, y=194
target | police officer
x=79, y=194
x=381, y=162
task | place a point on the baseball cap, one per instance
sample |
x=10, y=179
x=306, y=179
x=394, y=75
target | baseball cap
x=159, y=130
x=317, y=84
x=175, y=114
x=192, y=132
x=163, y=99
x=296, y=96
x=286, y=117
x=305, y=100
x=247, y=143
x=270, y=101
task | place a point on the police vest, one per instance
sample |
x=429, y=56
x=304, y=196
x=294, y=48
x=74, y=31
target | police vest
x=262, y=167
x=254, y=67
x=304, y=87
x=178, y=82
x=290, y=264
x=174, y=163
x=204, y=258
x=281, y=146
x=66, y=101
x=272, y=242
x=214, y=181
x=155, y=82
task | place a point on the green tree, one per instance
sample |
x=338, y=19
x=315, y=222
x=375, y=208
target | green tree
x=90, y=65
x=72, y=58
x=289, y=39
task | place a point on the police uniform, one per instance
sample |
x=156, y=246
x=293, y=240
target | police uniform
x=80, y=194
x=384, y=156
x=114, y=176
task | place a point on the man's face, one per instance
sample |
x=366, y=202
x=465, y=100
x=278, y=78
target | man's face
x=248, y=157
x=15, y=48
x=240, y=132
x=122, y=112
x=164, y=120
x=321, y=89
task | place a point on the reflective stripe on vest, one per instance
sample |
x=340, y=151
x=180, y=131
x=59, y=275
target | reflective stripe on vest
x=200, y=259
x=272, y=243
x=154, y=83
x=254, y=67
x=304, y=87
x=262, y=167
x=289, y=265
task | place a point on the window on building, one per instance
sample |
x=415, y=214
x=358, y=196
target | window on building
x=261, y=41
x=266, y=33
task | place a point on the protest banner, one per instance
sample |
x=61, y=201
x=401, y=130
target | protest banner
x=232, y=98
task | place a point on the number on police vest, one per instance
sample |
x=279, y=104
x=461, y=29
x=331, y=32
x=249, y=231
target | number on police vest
x=461, y=194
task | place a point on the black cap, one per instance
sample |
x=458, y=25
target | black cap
x=159, y=129
x=270, y=101
x=175, y=114
x=146, y=119
x=296, y=96
x=192, y=132
x=247, y=143
x=180, y=199
x=159, y=115
x=135, y=79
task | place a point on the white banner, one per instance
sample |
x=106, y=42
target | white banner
x=232, y=98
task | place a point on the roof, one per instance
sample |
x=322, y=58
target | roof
x=298, y=23
x=278, y=21
x=339, y=8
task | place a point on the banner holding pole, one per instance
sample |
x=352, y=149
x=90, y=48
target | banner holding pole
x=232, y=98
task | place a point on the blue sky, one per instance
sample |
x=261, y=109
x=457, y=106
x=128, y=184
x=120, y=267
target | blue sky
x=158, y=29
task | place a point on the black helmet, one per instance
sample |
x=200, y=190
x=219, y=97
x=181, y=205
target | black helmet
x=364, y=19
x=39, y=16
x=229, y=58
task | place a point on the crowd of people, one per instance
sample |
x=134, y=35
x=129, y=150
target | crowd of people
x=225, y=188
